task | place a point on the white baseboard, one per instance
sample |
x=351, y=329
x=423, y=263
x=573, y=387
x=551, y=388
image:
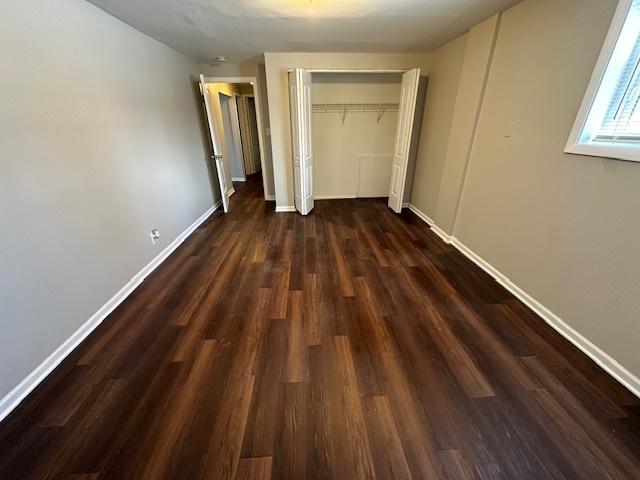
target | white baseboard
x=270, y=198
x=425, y=218
x=238, y=179
x=12, y=399
x=286, y=208
x=446, y=238
x=603, y=359
x=232, y=191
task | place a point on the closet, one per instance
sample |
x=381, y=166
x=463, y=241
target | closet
x=352, y=134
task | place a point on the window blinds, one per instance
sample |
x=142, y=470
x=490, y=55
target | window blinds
x=621, y=122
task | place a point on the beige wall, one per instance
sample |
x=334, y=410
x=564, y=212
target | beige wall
x=276, y=67
x=471, y=89
x=564, y=228
x=266, y=129
x=245, y=89
x=102, y=140
x=246, y=69
x=337, y=145
x=442, y=87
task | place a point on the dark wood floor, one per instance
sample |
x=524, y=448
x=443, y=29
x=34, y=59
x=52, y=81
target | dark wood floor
x=348, y=344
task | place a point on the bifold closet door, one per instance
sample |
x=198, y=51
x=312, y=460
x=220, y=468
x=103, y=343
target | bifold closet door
x=300, y=106
x=406, y=113
x=216, y=145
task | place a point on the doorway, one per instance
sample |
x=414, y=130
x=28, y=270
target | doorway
x=233, y=114
x=232, y=137
x=367, y=131
x=249, y=133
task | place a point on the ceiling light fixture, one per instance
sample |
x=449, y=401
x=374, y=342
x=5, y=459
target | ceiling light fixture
x=333, y=9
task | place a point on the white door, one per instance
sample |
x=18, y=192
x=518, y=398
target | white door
x=300, y=106
x=217, y=156
x=406, y=113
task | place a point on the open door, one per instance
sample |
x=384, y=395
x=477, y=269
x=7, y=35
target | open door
x=300, y=105
x=217, y=146
x=406, y=113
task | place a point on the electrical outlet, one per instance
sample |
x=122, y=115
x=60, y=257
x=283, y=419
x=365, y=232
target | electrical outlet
x=155, y=236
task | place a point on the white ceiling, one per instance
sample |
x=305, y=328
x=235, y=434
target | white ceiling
x=242, y=29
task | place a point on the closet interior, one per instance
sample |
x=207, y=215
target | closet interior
x=354, y=119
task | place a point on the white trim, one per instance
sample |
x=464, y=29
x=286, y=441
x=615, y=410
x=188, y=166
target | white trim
x=575, y=143
x=619, y=152
x=604, y=360
x=229, y=79
x=286, y=208
x=405, y=205
x=12, y=399
x=446, y=238
x=423, y=216
x=270, y=198
x=232, y=191
x=238, y=179
x=333, y=197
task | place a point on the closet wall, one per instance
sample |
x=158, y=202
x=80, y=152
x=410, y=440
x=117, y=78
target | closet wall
x=353, y=158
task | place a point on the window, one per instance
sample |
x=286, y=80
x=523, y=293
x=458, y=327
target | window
x=608, y=124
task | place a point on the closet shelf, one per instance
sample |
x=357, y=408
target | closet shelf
x=344, y=108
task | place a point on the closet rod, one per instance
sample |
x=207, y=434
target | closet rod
x=354, y=107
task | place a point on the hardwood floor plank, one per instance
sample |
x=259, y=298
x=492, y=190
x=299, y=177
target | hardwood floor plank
x=351, y=343
x=293, y=442
x=295, y=369
x=388, y=454
x=340, y=446
x=458, y=358
x=416, y=435
x=457, y=466
x=254, y=468
x=162, y=448
x=264, y=422
x=225, y=443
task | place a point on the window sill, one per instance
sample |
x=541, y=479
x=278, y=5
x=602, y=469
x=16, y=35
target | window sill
x=629, y=154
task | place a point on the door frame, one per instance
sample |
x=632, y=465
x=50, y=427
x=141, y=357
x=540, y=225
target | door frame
x=256, y=94
x=358, y=70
